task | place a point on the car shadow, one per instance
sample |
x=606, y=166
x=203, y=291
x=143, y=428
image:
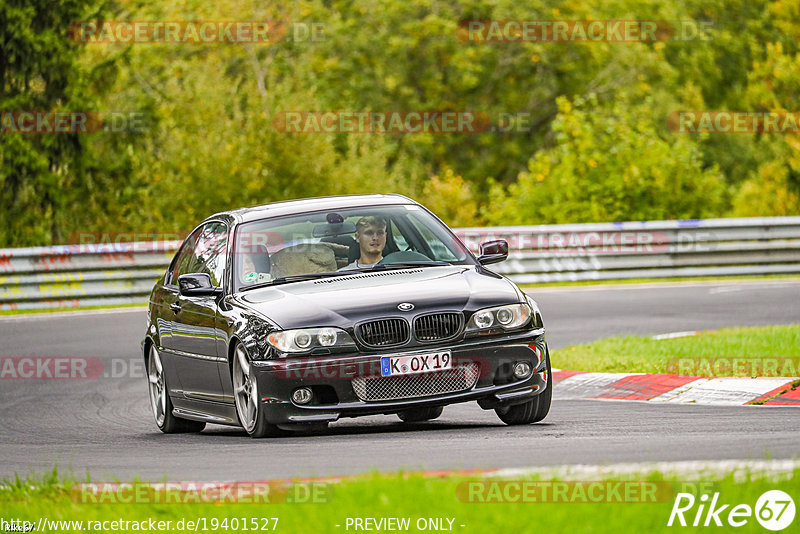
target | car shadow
x=355, y=429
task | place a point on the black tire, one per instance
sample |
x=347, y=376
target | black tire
x=415, y=415
x=535, y=409
x=264, y=429
x=547, y=395
x=176, y=425
x=166, y=421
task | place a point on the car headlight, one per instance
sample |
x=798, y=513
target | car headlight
x=306, y=339
x=501, y=317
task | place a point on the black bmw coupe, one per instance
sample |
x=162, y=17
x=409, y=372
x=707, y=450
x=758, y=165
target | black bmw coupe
x=298, y=313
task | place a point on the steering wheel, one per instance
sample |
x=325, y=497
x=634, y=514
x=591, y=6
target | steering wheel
x=402, y=256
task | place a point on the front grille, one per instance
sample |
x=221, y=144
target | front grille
x=459, y=378
x=384, y=333
x=438, y=326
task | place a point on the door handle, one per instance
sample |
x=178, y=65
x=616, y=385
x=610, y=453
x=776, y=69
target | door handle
x=175, y=306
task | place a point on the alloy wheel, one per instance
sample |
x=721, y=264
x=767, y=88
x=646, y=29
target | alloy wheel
x=245, y=390
x=158, y=392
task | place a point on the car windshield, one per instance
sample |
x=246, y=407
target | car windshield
x=297, y=247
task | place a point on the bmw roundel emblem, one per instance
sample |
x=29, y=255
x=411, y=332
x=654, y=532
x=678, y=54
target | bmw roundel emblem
x=405, y=306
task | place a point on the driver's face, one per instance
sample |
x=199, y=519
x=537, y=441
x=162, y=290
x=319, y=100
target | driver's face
x=372, y=239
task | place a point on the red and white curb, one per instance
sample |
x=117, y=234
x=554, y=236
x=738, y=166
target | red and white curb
x=730, y=391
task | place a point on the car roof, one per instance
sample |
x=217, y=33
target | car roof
x=289, y=207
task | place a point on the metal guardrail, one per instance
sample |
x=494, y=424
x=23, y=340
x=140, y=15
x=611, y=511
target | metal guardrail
x=70, y=276
x=649, y=249
x=121, y=273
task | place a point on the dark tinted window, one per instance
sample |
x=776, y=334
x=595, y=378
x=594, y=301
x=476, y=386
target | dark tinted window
x=204, y=252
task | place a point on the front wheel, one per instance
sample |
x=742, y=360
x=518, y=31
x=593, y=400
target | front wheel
x=532, y=411
x=246, y=397
x=160, y=402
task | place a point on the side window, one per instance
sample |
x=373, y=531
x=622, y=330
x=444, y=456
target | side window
x=182, y=261
x=440, y=251
x=204, y=252
x=399, y=238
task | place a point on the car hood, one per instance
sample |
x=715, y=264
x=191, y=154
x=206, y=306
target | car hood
x=343, y=301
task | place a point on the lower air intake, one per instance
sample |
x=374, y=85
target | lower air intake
x=420, y=385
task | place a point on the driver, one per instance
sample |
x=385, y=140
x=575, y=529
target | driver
x=371, y=239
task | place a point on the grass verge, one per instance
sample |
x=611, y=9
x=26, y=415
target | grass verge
x=750, y=351
x=142, y=305
x=529, y=504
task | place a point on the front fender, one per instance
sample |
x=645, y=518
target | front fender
x=252, y=331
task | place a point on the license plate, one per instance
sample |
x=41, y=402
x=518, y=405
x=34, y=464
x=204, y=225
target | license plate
x=416, y=363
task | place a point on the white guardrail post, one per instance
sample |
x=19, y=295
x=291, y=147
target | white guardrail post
x=120, y=273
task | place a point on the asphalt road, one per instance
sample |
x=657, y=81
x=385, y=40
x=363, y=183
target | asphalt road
x=104, y=426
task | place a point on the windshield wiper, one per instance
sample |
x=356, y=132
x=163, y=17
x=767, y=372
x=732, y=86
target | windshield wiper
x=296, y=278
x=350, y=272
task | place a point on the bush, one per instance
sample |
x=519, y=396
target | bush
x=609, y=163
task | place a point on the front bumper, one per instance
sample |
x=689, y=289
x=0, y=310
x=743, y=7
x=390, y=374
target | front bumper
x=331, y=379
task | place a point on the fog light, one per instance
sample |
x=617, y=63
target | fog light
x=302, y=395
x=522, y=369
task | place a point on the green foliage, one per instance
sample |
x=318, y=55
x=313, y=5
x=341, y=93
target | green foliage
x=40, y=71
x=609, y=164
x=451, y=198
x=767, y=192
x=596, y=146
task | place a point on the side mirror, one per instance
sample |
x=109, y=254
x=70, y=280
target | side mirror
x=493, y=252
x=197, y=285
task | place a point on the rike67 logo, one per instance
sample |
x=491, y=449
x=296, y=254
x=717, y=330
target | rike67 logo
x=774, y=510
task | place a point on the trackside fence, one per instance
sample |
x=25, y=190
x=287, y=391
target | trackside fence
x=123, y=273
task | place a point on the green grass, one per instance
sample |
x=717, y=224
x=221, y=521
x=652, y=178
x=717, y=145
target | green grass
x=412, y=496
x=788, y=277
x=757, y=351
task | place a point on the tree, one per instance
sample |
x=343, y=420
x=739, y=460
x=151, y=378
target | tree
x=609, y=164
x=40, y=71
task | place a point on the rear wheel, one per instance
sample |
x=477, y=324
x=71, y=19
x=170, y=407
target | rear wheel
x=160, y=402
x=532, y=411
x=246, y=397
x=415, y=415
